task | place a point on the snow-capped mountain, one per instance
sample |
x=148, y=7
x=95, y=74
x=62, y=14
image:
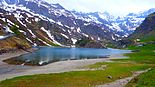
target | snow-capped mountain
x=129, y=23
x=96, y=17
x=122, y=26
x=146, y=31
x=42, y=23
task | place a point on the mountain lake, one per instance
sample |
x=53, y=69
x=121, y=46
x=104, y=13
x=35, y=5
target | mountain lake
x=45, y=55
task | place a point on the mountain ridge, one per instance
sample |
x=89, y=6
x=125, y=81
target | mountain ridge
x=53, y=24
x=70, y=29
x=124, y=25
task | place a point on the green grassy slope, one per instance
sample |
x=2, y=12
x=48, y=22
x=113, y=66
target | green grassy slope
x=145, y=56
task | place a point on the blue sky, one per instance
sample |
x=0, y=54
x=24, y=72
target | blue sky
x=116, y=7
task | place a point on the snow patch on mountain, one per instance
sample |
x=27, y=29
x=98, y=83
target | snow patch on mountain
x=50, y=36
x=65, y=35
x=74, y=40
x=33, y=35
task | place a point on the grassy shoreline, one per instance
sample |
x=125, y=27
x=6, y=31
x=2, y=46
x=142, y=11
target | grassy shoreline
x=77, y=78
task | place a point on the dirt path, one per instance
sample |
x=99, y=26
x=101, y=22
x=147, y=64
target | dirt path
x=123, y=82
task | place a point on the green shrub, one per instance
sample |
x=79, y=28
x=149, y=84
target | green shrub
x=15, y=29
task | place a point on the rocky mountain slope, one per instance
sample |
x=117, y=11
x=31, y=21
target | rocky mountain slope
x=12, y=44
x=144, y=34
x=41, y=23
x=146, y=31
x=10, y=41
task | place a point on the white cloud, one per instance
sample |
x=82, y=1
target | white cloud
x=117, y=7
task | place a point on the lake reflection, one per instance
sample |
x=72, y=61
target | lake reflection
x=50, y=54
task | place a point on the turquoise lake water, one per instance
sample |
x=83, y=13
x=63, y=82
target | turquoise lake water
x=51, y=54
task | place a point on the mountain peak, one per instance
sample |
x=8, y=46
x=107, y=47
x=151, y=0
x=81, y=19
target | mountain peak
x=131, y=14
x=152, y=10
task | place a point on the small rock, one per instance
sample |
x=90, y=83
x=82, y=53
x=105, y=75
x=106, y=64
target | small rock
x=149, y=69
x=110, y=77
x=128, y=80
x=104, y=66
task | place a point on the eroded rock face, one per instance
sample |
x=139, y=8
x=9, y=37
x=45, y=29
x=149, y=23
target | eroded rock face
x=13, y=43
